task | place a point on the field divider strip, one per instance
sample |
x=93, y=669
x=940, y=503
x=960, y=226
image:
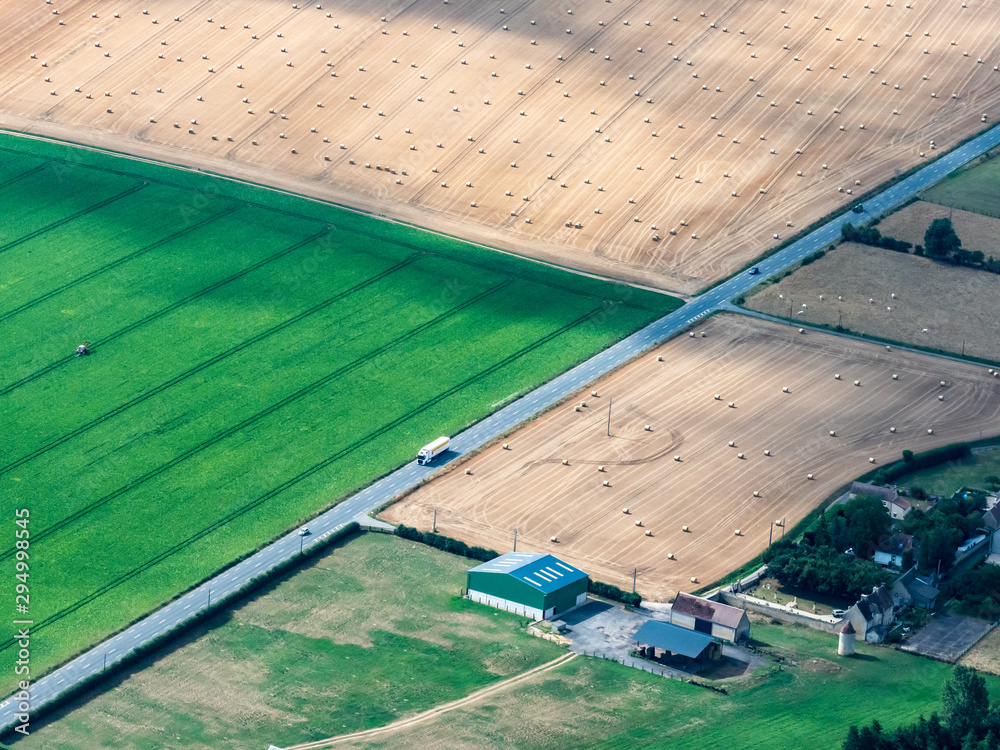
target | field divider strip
x=114, y=264
x=267, y=411
x=72, y=217
x=301, y=476
x=165, y=311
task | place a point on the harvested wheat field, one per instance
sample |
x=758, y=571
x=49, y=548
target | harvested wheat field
x=976, y=231
x=613, y=137
x=683, y=472
x=936, y=305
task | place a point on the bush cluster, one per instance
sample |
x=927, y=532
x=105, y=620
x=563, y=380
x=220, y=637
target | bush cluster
x=919, y=461
x=446, y=543
x=869, y=235
x=614, y=593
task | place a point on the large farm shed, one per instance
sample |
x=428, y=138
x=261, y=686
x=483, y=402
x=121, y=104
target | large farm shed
x=534, y=585
x=712, y=618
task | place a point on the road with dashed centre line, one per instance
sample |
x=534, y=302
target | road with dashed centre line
x=175, y=614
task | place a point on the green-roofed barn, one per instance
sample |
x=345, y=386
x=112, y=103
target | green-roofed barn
x=534, y=585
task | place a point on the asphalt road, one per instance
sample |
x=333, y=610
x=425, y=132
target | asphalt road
x=176, y=613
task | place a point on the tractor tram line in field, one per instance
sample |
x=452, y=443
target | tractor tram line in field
x=156, y=315
x=221, y=356
x=111, y=265
x=291, y=398
x=276, y=491
x=72, y=217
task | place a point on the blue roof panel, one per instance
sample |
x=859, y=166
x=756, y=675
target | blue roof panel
x=542, y=571
x=672, y=638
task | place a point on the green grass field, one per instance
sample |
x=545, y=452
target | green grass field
x=973, y=188
x=256, y=357
x=947, y=479
x=590, y=703
x=368, y=634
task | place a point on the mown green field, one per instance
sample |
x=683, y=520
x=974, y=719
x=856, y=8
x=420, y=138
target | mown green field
x=974, y=188
x=256, y=357
x=589, y=703
x=947, y=479
x=371, y=632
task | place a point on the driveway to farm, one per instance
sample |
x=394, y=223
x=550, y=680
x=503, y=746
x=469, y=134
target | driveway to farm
x=15, y=711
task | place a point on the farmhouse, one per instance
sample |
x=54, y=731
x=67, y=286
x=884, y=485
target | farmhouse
x=534, y=585
x=671, y=643
x=991, y=518
x=891, y=550
x=711, y=618
x=896, y=506
x=910, y=590
x=872, y=615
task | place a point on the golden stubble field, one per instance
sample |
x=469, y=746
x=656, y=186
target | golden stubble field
x=711, y=487
x=936, y=305
x=714, y=127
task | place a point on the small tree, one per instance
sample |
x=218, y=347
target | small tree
x=966, y=702
x=940, y=239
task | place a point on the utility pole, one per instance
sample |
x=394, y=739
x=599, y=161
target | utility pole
x=633, y=580
x=434, y=525
x=515, y=540
x=790, y=303
x=610, y=400
x=769, y=533
x=210, y=597
x=782, y=528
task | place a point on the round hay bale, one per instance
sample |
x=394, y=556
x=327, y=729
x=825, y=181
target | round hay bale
x=895, y=376
x=649, y=428
x=785, y=389
x=857, y=382
x=677, y=458
x=732, y=443
x=468, y=471
x=892, y=429
x=732, y=404
x=601, y=467
x=767, y=452
x=871, y=460
x=756, y=493
x=694, y=579
x=738, y=532
x=625, y=510
x=685, y=529
x=940, y=398
x=553, y=539
x=836, y=376
x=638, y=523
x=930, y=431
x=833, y=433
x=670, y=555
x=809, y=476
x=740, y=455
x=565, y=462
x=506, y=446
x=649, y=533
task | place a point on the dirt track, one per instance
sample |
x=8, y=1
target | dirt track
x=737, y=69
x=710, y=489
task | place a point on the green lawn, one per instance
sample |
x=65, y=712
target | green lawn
x=974, y=188
x=590, y=703
x=256, y=357
x=946, y=479
x=370, y=633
